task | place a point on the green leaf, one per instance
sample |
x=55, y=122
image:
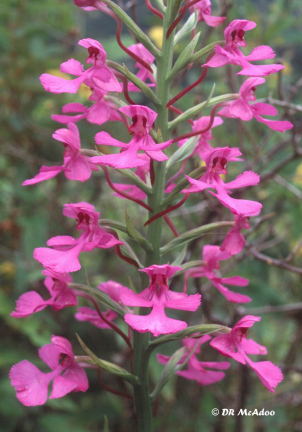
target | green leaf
x=106, y=424
x=180, y=257
x=200, y=107
x=193, y=234
x=186, y=54
x=188, y=26
x=197, y=331
x=183, y=152
x=169, y=371
x=108, y=366
x=133, y=78
x=136, y=235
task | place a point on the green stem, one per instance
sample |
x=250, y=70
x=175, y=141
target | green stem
x=141, y=340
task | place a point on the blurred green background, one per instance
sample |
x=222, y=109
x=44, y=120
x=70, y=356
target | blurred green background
x=36, y=37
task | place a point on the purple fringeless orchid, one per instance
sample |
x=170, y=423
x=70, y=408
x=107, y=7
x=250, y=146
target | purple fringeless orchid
x=99, y=72
x=76, y=166
x=142, y=121
x=212, y=255
x=158, y=297
x=236, y=345
x=32, y=385
x=216, y=160
x=243, y=109
x=230, y=53
x=64, y=255
x=61, y=295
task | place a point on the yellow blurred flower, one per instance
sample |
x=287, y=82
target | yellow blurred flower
x=297, y=179
x=156, y=34
x=84, y=91
x=8, y=269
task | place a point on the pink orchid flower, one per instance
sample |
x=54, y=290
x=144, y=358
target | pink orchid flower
x=76, y=166
x=64, y=257
x=99, y=73
x=90, y=315
x=216, y=160
x=142, y=120
x=203, y=8
x=235, y=240
x=143, y=73
x=197, y=370
x=230, y=53
x=212, y=255
x=236, y=345
x=158, y=296
x=241, y=108
x=100, y=112
x=32, y=385
x=202, y=145
x=60, y=296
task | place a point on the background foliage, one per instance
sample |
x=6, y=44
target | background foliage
x=36, y=37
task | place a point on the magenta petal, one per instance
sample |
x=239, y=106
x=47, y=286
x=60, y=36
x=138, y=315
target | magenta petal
x=59, y=261
x=61, y=387
x=269, y=374
x=129, y=298
x=217, y=60
x=182, y=302
x=261, y=52
x=238, y=206
x=251, y=347
x=106, y=80
x=247, y=178
x=212, y=21
x=156, y=322
x=103, y=138
x=224, y=344
x=45, y=173
x=29, y=303
x=73, y=67
x=240, y=109
x=55, y=84
x=30, y=383
x=50, y=355
x=230, y=295
x=277, y=125
x=78, y=168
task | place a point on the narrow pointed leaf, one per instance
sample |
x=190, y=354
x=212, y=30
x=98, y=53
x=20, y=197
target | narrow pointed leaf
x=188, y=26
x=193, y=234
x=197, y=331
x=108, y=366
x=183, y=152
x=186, y=54
x=168, y=372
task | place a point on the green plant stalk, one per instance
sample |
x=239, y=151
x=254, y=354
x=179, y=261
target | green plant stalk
x=141, y=340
